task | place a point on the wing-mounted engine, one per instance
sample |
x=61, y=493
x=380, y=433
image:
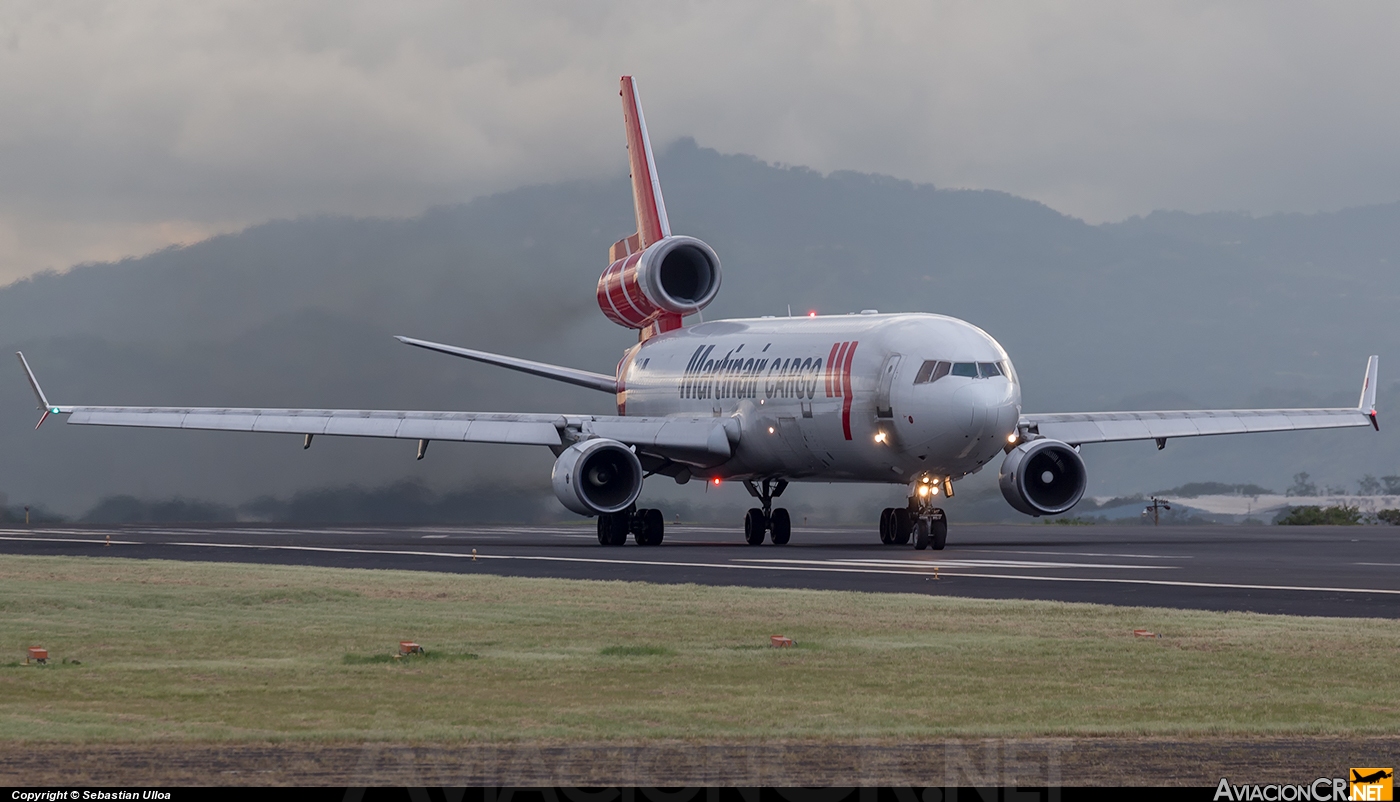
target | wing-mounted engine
x=654, y=278
x=1043, y=477
x=597, y=476
x=674, y=277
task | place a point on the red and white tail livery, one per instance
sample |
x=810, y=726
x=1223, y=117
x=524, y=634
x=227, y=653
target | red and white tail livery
x=654, y=279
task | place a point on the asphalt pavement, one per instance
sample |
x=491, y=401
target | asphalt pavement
x=1327, y=571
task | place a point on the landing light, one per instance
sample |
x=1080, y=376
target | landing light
x=770, y=430
x=1011, y=438
x=879, y=437
x=923, y=490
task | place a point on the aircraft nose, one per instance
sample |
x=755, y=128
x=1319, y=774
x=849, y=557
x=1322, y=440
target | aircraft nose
x=985, y=407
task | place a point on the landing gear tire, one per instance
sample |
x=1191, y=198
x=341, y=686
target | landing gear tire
x=613, y=528
x=901, y=525
x=781, y=524
x=755, y=527
x=886, y=529
x=921, y=534
x=648, y=527
x=760, y=520
x=938, y=531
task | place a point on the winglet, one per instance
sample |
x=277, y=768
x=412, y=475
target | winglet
x=38, y=391
x=1368, y=391
x=652, y=224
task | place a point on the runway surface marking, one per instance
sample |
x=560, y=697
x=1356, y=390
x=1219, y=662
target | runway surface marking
x=950, y=563
x=1088, y=554
x=97, y=542
x=818, y=568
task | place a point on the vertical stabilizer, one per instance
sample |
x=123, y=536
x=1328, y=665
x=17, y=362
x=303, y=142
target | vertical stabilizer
x=652, y=224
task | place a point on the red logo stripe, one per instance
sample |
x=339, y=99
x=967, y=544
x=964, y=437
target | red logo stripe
x=849, y=391
x=831, y=368
x=836, y=387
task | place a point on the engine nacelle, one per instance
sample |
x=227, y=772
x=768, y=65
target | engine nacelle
x=1043, y=477
x=674, y=276
x=597, y=476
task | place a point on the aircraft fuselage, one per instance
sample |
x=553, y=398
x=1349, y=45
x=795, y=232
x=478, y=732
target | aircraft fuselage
x=834, y=398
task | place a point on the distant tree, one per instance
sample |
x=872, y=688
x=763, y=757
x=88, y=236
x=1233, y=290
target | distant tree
x=1338, y=515
x=1391, y=517
x=1301, y=486
x=1392, y=485
x=1368, y=485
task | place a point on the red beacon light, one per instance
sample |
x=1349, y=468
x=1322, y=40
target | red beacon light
x=812, y=313
x=716, y=481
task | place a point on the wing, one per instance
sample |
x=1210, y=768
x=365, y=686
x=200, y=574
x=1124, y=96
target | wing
x=697, y=442
x=582, y=378
x=1077, y=428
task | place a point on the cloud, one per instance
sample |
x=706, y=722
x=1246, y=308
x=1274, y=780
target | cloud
x=133, y=124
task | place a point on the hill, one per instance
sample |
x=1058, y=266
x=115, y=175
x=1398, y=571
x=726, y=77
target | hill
x=1166, y=310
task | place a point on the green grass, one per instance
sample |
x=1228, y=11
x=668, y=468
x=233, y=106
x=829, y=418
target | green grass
x=205, y=651
x=394, y=658
x=636, y=651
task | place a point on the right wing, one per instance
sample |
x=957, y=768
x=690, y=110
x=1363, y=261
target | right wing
x=1077, y=428
x=698, y=442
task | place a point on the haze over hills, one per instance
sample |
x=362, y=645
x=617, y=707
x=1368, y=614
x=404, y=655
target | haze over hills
x=1170, y=310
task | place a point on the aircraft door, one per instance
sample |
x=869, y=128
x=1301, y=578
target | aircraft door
x=884, y=408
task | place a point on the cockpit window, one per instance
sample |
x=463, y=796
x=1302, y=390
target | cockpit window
x=931, y=371
x=988, y=369
x=968, y=369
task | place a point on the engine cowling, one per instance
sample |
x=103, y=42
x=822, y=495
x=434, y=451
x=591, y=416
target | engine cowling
x=1043, y=477
x=673, y=276
x=597, y=476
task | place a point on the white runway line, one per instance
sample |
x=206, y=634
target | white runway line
x=813, y=568
x=942, y=564
x=102, y=542
x=1085, y=554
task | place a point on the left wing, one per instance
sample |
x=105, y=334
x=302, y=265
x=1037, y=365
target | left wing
x=1076, y=428
x=698, y=442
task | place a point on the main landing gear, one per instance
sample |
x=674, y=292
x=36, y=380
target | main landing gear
x=646, y=526
x=927, y=524
x=759, y=522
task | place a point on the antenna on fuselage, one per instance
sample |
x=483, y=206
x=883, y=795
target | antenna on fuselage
x=789, y=310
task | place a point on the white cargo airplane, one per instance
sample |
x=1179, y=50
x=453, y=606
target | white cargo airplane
x=915, y=399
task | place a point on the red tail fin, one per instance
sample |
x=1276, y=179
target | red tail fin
x=652, y=224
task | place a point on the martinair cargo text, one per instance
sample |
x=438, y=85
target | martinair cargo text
x=915, y=399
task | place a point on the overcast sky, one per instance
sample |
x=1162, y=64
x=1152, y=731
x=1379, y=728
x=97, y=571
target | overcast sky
x=126, y=126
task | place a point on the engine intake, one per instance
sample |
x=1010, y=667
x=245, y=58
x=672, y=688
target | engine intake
x=674, y=276
x=597, y=476
x=1043, y=477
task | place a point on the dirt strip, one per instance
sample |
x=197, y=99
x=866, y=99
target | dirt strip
x=1026, y=762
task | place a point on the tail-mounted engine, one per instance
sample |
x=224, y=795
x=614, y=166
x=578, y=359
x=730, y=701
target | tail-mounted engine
x=675, y=276
x=597, y=476
x=1043, y=477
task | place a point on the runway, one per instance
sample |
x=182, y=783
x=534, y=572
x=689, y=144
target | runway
x=1328, y=571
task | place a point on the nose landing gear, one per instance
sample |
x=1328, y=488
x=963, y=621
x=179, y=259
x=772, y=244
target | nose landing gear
x=927, y=524
x=896, y=525
x=759, y=522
